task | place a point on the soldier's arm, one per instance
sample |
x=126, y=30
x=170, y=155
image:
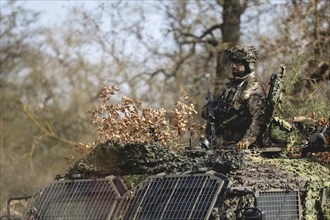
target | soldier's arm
x=256, y=104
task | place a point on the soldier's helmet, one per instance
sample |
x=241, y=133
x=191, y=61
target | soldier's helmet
x=243, y=53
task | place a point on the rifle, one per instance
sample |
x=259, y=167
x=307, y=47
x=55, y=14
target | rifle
x=275, y=90
x=273, y=97
x=210, y=126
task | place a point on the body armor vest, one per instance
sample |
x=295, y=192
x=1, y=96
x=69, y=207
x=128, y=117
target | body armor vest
x=233, y=116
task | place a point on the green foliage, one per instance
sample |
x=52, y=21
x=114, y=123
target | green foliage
x=280, y=135
x=304, y=114
x=294, y=72
x=291, y=104
x=286, y=107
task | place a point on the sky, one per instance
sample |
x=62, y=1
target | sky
x=54, y=11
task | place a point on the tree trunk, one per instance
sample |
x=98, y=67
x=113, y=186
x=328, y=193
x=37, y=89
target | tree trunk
x=230, y=30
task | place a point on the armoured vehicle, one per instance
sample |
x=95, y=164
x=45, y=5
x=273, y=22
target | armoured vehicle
x=199, y=184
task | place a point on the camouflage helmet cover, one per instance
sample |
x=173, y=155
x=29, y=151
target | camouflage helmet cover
x=247, y=53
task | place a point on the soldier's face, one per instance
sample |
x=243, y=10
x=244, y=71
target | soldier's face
x=237, y=68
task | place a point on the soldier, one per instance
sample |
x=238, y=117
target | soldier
x=239, y=110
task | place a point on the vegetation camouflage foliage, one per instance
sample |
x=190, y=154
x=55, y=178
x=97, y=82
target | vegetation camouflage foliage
x=316, y=102
x=131, y=122
x=297, y=120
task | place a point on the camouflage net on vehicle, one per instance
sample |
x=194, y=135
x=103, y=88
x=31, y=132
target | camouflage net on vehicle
x=113, y=158
x=309, y=177
x=243, y=170
x=317, y=177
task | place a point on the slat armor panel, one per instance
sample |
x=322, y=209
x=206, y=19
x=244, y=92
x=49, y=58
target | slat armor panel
x=170, y=197
x=173, y=197
x=77, y=200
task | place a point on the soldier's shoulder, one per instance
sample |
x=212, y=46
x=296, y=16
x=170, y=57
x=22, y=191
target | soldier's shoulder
x=252, y=89
x=252, y=86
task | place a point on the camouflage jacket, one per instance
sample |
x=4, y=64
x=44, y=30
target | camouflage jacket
x=240, y=109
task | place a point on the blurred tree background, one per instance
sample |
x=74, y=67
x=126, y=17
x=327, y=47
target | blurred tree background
x=51, y=72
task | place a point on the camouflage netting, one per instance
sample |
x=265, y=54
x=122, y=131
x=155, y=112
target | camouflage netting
x=243, y=170
x=264, y=176
x=317, y=178
x=309, y=177
x=112, y=158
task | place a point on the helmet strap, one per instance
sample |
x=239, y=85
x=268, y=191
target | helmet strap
x=252, y=67
x=249, y=67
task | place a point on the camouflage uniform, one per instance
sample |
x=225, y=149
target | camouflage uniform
x=239, y=110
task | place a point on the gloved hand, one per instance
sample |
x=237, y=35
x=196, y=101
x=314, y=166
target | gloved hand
x=243, y=144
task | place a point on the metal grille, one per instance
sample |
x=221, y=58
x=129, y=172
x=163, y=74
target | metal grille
x=77, y=199
x=173, y=197
x=279, y=205
x=325, y=198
